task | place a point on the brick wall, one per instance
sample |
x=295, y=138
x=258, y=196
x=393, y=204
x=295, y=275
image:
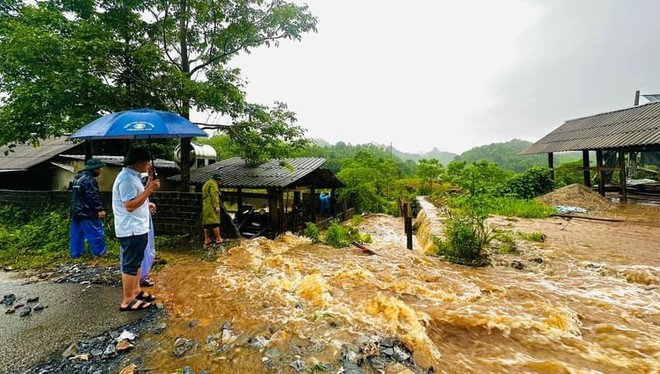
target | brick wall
x=178, y=212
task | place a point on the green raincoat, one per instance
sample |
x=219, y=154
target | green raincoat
x=210, y=201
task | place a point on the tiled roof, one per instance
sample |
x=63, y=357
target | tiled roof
x=289, y=172
x=22, y=157
x=638, y=127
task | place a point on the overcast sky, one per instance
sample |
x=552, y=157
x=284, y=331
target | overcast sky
x=453, y=75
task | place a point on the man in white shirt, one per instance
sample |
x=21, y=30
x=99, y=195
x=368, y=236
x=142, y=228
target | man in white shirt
x=130, y=206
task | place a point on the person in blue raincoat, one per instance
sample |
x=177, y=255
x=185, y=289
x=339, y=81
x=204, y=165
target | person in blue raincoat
x=87, y=211
x=325, y=202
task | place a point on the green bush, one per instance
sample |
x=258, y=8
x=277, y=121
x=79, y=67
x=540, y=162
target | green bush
x=339, y=236
x=42, y=239
x=312, y=231
x=466, y=236
x=534, y=182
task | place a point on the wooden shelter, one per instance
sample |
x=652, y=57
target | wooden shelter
x=621, y=140
x=285, y=193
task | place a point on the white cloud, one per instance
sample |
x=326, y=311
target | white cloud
x=450, y=74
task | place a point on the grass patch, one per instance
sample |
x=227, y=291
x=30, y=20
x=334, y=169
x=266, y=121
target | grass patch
x=538, y=237
x=504, y=206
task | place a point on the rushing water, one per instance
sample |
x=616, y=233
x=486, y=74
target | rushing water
x=586, y=301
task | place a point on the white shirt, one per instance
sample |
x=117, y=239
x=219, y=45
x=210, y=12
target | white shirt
x=127, y=186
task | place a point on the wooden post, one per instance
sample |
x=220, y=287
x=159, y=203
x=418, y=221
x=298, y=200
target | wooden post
x=622, y=175
x=599, y=168
x=404, y=212
x=551, y=166
x=409, y=238
x=585, y=168
x=313, y=202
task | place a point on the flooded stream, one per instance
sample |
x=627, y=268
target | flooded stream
x=586, y=301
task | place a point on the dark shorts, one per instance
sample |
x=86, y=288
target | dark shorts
x=211, y=225
x=132, y=252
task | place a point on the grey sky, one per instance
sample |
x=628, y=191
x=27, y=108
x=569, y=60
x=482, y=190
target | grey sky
x=458, y=74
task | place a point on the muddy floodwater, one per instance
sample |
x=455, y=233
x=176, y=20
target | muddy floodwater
x=586, y=300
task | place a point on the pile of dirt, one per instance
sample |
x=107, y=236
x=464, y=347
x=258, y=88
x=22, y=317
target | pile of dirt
x=577, y=195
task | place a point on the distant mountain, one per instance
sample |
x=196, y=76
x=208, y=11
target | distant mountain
x=443, y=157
x=507, y=155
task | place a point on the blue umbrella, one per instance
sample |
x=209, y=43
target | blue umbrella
x=139, y=124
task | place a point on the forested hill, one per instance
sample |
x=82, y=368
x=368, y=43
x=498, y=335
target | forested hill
x=443, y=157
x=507, y=155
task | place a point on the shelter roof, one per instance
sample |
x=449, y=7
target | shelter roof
x=117, y=160
x=290, y=173
x=636, y=127
x=24, y=156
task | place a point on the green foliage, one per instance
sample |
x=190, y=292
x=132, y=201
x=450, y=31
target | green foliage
x=268, y=134
x=507, y=156
x=66, y=63
x=430, y=171
x=224, y=147
x=507, y=242
x=338, y=236
x=368, y=181
x=535, y=236
x=569, y=173
x=466, y=237
x=12, y=216
x=479, y=178
x=41, y=239
x=503, y=206
x=533, y=182
x=312, y=231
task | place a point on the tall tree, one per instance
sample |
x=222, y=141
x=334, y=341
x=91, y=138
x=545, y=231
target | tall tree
x=68, y=61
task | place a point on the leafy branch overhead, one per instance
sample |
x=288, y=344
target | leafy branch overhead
x=67, y=62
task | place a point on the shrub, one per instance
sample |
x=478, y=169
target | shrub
x=466, y=235
x=312, y=231
x=534, y=182
x=339, y=236
x=538, y=237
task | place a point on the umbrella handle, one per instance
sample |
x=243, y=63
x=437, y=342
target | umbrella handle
x=152, y=170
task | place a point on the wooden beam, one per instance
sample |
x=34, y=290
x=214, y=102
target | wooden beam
x=551, y=166
x=599, y=170
x=585, y=166
x=623, y=176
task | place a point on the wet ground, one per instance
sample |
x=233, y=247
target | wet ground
x=584, y=300
x=71, y=311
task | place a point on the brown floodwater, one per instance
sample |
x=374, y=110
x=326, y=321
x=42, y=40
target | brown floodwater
x=587, y=300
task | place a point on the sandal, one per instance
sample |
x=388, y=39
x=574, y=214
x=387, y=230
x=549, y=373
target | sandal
x=147, y=283
x=143, y=296
x=135, y=305
x=206, y=245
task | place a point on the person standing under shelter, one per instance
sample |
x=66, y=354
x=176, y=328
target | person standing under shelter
x=211, y=210
x=87, y=211
x=130, y=205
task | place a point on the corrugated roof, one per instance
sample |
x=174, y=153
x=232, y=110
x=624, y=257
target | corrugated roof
x=117, y=160
x=274, y=173
x=25, y=156
x=632, y=127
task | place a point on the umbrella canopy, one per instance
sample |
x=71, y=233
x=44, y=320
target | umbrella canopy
x=139, y=124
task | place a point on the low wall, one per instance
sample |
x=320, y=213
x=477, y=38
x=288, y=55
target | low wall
x=178, y=212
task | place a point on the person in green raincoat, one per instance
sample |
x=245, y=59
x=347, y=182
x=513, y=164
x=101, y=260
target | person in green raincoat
x=211, y=210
